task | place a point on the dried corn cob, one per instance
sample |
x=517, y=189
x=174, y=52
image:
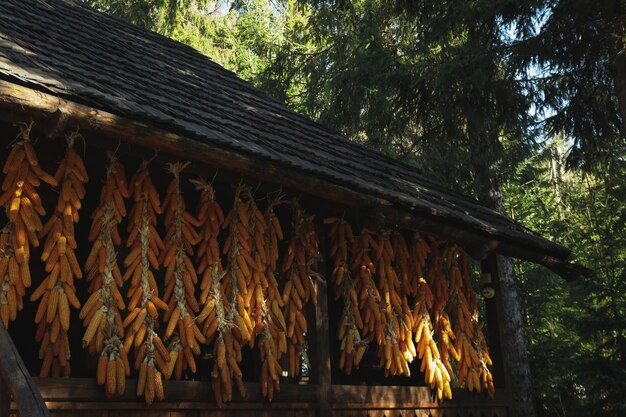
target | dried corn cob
x=212, y=318
x=229, y=292
x=352, y=346
x=300, y=268
x=226, y=349
x=180, y=274
x=397, y=351
x=369, y=297
x=271, y=326
x=105, y=279
x=210, y=218
x=439, y=286
x=471, y=347
x=436, y=375
x=57, y=289
x=144, y=244
x=253, y=260
x=23, y=208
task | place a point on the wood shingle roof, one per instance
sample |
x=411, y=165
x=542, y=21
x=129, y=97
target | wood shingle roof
x=64, y=48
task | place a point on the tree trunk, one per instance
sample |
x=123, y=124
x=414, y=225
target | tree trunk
x=555, y=165
x=515, y=356
x=514, y=346
x=619, y=79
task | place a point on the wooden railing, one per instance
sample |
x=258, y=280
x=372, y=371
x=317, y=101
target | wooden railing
x=16, y=382
x=81, y=397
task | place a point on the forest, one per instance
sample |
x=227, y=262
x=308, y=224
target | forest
x=520, y=104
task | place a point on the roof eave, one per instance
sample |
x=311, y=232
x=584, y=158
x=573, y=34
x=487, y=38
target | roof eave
x=478, y=243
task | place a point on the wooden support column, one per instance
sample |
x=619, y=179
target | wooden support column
x=16, y=378
x=322, y=328
x=494, y=328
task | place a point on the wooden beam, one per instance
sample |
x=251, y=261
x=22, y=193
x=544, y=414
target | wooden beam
x=412, y=397
x=478, y=242
x=17, y=380
x=322, y=332
x=494, y=329
x=86, y=389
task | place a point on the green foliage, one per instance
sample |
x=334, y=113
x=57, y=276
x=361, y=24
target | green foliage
x=577, y=55
x=243, y=36
x=576, y=331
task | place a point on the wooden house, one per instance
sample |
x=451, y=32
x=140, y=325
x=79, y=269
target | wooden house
x=71, y=77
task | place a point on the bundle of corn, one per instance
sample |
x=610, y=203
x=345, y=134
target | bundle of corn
x=13, y=279
x=300, y=268
x=472, y=356
x=436, y=278
x=398, y=350
x=369, y=300
x=226, y=349
x=144, y=245
x=23, y=207
x=352, y=346
x=105, y=279
x=436, y=374
x=229, y=291
x=439, y=286
x=238, y=247
x=58, y=290
x=180, y=274
x=210, y=217
x=402, y=265
x=419, y=252
x=254, y=262
x=271, y=327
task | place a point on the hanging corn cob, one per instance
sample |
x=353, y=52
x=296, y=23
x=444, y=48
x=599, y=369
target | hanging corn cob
x=226, y=349
x=228, y=292
x=105, y=279
x=57, y=290
x=12, y=288
x=418, y=253
x=471, y=347
x=402, y=266
x=436, y=375
x=238, y=247
x=210, y=217
x=352, y=346
x=180, y=273
x=144, y=245
x=300, y=268
x=23, y=207
x=398, y=349
x=369, y=300
x=254, y=299
x=439, y=287
x=271, y=325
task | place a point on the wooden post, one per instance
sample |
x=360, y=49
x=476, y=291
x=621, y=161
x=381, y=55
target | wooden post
x=16, y=378
x=494, y=329
x=322, y=345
